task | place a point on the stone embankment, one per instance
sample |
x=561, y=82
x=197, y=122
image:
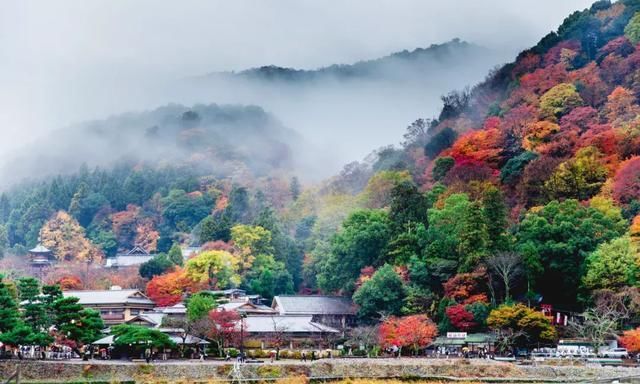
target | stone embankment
x=194, y=371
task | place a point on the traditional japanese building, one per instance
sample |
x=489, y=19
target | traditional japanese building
x=334, y=311
x=41, y=258
x=293, y=331
x=115, y=305
x=135, y=256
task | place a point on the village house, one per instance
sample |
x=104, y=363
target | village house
x=334, y=311
x=287, y=332
x=177, y=311
x=115, y=305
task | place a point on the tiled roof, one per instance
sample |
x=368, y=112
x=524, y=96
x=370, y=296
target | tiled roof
x=286, y=324
x=313, y=305
x=249, y=307
x=153, y=318
x=116, y=296
x=127, y=260
x=176, y=309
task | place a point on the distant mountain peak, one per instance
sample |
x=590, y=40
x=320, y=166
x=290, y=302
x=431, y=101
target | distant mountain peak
x=415, y=60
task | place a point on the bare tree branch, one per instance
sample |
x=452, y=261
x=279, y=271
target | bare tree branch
x=508, y=267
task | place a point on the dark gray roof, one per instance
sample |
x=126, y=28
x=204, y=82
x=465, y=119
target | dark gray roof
x=313, y=305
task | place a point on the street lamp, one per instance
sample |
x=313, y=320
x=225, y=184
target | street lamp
x=243, y=315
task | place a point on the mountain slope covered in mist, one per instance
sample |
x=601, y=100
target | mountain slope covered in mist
x=346, y=110
x=217, y=139
x=398, y=66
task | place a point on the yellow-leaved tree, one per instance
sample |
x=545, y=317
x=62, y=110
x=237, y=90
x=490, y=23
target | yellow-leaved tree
x=217, y=268
x=66, y=238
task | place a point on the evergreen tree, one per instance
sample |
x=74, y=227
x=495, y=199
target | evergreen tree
x=495, y=215
x=9, y=314
x=408, y=206
x=175, y=255
x=156, y=266
x=384, y=292
x=75, y=323
x=285, y=248
x=238, y=208
x=294, y=188
x=216, y=227
x=33, y=307
x=75, y=206
x=474, y=239
x=5, y=208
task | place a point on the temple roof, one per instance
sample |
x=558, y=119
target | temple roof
x=40, y=249
x=313, y=305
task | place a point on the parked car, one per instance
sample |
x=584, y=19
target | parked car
x=621, y=353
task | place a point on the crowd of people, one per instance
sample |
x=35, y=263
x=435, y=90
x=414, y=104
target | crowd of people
x=35, y=352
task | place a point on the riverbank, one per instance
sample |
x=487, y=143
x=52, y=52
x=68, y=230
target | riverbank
x=208, y=371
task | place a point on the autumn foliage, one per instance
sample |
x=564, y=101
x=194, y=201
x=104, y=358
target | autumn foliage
x=225, y=328
x=631, y=340
x=467, y=288
x=625, y=185
x=460, y=318
x=65, y=237
x=416, y=331
x=168, y=289
x=70, y=283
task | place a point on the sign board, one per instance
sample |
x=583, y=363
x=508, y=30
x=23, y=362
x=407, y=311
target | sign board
x=456, y=335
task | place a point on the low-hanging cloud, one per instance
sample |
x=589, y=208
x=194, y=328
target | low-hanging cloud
x=68, y=61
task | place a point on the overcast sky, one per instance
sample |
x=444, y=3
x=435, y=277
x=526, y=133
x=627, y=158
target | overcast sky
x=62, y=61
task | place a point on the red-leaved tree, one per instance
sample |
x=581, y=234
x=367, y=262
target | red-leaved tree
x=461, y=318
x=225, y=328
x=415, y=331
x=467, y=288
x=625, y=184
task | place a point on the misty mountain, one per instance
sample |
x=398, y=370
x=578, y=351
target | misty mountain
x=345, y=110
x=397, y=66
x=220, y=140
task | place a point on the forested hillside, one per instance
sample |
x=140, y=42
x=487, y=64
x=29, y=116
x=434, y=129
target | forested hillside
x=525, y=188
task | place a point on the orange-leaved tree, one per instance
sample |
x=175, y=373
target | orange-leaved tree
x=168, y=289
x=70, y=282
x=631, y=340
x=415, y=331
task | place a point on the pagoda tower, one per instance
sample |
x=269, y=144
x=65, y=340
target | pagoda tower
x=40, y=257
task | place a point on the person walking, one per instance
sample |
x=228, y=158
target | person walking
x=304, y=356
x=147, y=355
